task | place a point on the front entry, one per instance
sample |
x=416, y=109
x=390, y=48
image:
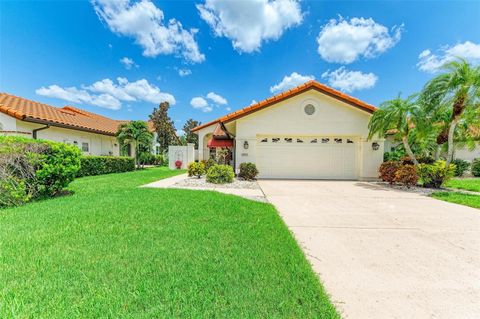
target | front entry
x=315, y=157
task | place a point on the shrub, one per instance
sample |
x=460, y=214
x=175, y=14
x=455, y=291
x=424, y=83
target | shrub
x=209, y=163
x=406, y=175
x=178, y=164
x=13, y=192
x=460, y=166
x=98, y=165
x=387, y=171
x=406, y=160
x=426, y=160
x=59, y=166
x=33, y=168
x=196, y=169
x=248, y=171
x=220, y=174
x=476, y=167
x=436, y=174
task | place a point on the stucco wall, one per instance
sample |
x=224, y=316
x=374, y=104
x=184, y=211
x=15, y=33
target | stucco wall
x=332, y=118
x=98, y=144
x=186, y=154
x=467, y=154
x=7, y=123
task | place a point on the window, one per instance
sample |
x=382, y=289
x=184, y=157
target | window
x=338, y=140
x=325, y=140
x=309, y=109
x=264, y=140
x=299, y=140
x=314, y=140
x=288, y=139
x=275, y=139
x=84, y=147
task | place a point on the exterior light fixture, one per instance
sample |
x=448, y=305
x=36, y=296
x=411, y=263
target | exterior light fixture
x=245, y=145
x=375, y=146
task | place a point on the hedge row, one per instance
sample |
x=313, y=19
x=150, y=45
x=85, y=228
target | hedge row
x=98, y=165
x=32, y=169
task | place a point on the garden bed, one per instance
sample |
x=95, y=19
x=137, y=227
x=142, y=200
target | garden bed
x=194, y=182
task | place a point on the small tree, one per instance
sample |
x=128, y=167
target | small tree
x=191, y=137
x=398, y=117
x=164, y=127
x=137, y=134
x=457, y=91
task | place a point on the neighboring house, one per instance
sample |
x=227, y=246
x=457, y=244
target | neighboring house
x=92, y=133
x=309, y=132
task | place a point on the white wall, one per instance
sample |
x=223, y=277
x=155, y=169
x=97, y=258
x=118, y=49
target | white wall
x=468, y=155
x=7, y=123
x=186, y=154
x=98, y=144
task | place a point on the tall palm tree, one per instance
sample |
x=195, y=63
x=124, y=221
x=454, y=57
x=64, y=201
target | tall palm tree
x=397, y=117
x=456, y=90
x=135, y=133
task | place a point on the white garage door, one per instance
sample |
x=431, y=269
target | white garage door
x=307, y=157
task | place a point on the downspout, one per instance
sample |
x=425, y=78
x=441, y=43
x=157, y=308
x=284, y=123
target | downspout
x=34, y=132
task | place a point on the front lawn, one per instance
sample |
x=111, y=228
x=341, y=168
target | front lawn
x=459, y=198
x=470, y=184
x=114, y=250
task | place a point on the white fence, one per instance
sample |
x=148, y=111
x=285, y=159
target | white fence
x=186, y=154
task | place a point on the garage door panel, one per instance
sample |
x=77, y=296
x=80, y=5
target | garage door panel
x=307, y=160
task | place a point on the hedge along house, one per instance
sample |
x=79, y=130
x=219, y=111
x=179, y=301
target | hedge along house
x=309, y=132
x=92, y=133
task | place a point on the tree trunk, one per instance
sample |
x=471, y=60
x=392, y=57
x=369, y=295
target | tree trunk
x=451, y=146
x=136, y=154
x=458, y=108
x=409, y=150
x=437, y=152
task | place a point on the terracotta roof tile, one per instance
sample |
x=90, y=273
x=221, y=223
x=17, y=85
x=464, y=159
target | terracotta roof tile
x=287, y=94
x=68, y=116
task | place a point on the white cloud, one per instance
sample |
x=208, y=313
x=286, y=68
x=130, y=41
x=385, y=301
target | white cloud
x=200, y=103
x=108, y=94
x=217, y=99
x=349, y=81
x=74, y=95
x=248, y=23
x=431, y=62
x=291, y=81
x=343, y=41
x=128, y=63
x=143, y=21
x=184, y=72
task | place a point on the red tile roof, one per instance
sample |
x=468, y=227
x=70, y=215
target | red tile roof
x=288, y=94
x=67, y=116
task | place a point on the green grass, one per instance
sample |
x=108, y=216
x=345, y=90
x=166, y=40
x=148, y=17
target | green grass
x=459, y=198
x=113, y=250
x=469, y=184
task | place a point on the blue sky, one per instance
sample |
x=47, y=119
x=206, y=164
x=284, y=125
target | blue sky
x=70, y=52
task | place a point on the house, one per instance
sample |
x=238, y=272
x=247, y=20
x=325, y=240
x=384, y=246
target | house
x=92, y=133
x=309, y=132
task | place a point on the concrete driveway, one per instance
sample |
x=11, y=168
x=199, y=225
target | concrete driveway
x=384, y=253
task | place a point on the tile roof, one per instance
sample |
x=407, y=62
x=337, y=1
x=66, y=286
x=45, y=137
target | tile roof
x=67, y=116
x=288, y=94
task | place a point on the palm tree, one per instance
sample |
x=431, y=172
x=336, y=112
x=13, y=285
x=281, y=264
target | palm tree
x=397, y=117
x=456, y=91
x=135, y=133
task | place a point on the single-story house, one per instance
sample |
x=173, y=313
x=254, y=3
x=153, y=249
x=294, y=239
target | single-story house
x=309, y=132
x=94, y=134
